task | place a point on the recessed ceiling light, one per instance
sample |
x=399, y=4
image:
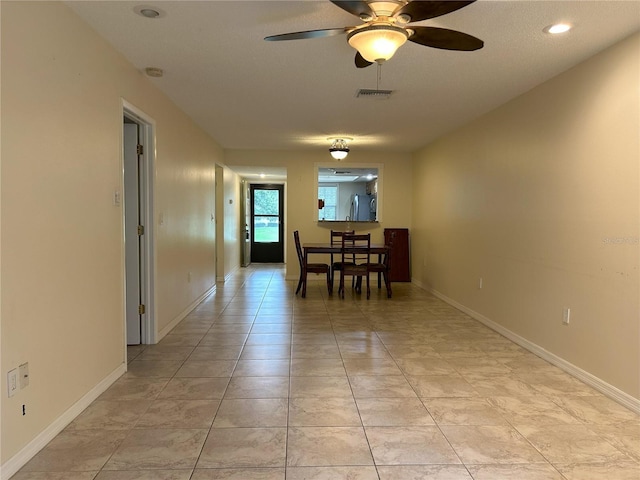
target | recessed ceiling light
x=557, y=28
x=154, y=72
x=149, y=12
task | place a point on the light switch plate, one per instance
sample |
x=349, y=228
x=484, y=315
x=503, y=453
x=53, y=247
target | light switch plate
x=12, y=382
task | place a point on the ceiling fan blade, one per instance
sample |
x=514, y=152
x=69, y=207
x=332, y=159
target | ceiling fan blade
x=421, y=10
x=445, y=39
x=328, y=32
x=361, y=62
x=355, y=7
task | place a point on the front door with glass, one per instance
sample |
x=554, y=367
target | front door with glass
x=267, y=225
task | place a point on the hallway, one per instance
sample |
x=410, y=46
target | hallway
x=259, y=384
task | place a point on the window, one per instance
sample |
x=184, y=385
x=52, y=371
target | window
x=266, y=216
x=329, y=194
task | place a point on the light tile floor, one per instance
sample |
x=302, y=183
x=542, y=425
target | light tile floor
x=258, y=384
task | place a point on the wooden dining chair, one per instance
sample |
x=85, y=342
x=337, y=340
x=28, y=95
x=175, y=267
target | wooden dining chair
x=309, y=268
x=383, y=266
x=336, y=240
x=355, y=254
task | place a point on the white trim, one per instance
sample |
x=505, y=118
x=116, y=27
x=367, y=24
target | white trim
x=20, y=459
x=605, y=388
x=184, y=313
x=228, y=276
x=148, y=140
x=379, y=194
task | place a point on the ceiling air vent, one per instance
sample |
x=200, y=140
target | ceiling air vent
x=374, y=93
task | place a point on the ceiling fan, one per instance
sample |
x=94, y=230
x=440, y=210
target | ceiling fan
x=386, y=28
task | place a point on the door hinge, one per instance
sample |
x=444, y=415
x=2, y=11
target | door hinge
x=141, y=309
x=139, y=149
x=140, y=229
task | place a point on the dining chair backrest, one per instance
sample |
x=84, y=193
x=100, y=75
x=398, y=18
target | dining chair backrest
x=356, y=248
x=336, y=239
x=336, y=236
x=296, y=237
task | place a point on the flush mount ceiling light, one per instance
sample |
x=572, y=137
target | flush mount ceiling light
x=339, y=149
x=557, y=28
x=378, y=43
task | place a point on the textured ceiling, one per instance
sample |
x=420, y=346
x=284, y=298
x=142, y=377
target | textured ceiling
x=251, y=94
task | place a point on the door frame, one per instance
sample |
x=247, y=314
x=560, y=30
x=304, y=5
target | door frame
x=283, y=213
x=219, y=225
x=147, y=128
x=245, y=220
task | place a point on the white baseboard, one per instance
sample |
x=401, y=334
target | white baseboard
x=184, y=313
x=229, y=274
x=605, y=388
x=16, y=462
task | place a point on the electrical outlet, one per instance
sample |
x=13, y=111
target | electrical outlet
x=12, y=382
x=566, y=316
x=24, y=375
x=480, y=284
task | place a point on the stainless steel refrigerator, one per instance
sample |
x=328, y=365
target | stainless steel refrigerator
x=363, y=208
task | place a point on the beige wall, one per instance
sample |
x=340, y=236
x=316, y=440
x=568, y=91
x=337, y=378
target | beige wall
x=231, y=204
x=540, y=198
x=301, y=193
x=62, y=240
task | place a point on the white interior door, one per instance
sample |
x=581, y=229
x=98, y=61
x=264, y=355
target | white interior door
x=132, y=236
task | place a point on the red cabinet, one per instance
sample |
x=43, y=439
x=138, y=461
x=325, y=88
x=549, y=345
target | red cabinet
x=400, y=264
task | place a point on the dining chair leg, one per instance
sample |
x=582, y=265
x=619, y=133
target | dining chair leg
x=387, y=284
x=357, y=284
x=368, y=289
x=304, y=285
x=329, y=283
x=299, y=284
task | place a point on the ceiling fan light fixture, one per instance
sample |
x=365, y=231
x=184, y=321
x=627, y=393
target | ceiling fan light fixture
x=377, y=43
x=339, y=149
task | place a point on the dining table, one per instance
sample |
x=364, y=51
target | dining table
x=326, y=247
